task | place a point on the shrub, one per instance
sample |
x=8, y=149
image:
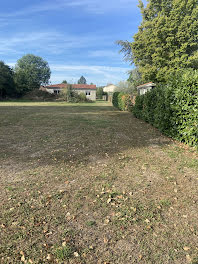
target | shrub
x=115, y=99
x=173, y=108
x=185, y=107
x=122, y=101
x=39, y=95
x=82, y=97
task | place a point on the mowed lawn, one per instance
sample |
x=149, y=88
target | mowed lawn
x=85, y=183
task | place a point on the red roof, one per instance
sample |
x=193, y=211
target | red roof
x=74, y=86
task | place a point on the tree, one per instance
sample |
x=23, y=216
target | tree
x=30, y=72
x=135, y=77
x=82, y=80
x=125, y=87
x=167, y=39
x=99, y=92
x=67, y=93
x=64, y=81
x=7, y=86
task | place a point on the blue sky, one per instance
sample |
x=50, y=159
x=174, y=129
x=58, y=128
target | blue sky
x=76, y=37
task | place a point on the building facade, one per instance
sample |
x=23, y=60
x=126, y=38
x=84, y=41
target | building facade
x=88, y=90
x=144, y=88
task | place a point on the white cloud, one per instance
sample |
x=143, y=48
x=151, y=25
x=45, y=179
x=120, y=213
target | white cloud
x=104, y=53
x=52, y=42
x=90, y=6
x=101, y=75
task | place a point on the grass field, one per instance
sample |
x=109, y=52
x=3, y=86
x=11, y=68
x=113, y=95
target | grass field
x=89, y=184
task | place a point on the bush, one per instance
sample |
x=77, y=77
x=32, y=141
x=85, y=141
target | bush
x=122, y=101
x=115, y=99
x=39, y=95
x=173, y=108
x=69, y=95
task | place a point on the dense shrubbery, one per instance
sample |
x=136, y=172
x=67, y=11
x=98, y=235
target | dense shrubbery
x=122, y=101
x=38, y=95
x=173, y=108
x=69, y=95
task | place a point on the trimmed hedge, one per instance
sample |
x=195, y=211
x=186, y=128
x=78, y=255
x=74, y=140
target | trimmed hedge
x=122, y=101
x=173, y=108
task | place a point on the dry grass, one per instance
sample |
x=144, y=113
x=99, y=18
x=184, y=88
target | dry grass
x=88, y=184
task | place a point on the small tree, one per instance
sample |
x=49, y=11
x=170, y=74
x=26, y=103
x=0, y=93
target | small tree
x=99, y=92
x=67, y=93
x=82, y=80
x=126, y=87
x=7, y=87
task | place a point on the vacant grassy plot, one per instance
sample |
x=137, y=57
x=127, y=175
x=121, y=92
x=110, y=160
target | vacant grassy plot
x=89, y=184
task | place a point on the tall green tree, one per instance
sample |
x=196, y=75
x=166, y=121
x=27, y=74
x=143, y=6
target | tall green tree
x=82, y=80
x=64, y=81
x=7, y=86
x=167, y=39
x=30, y=72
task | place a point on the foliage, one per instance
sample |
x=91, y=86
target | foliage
x=135, y=77
x=126, y=49
x=167, y=39
x=38, y=95
x=30, y=72
x=65, y=252
x=82, y=80
x=122, y=101
x=7, y=87
x=126, y=87
x=69, y=95
x=64, y=81
x=82, y=97
x=66, y=93
x=173, y=108
x=99, y=92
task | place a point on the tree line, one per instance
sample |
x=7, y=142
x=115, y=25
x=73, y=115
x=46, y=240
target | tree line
x=29, y=73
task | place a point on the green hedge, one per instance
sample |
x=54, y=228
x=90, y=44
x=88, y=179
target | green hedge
x=173, y=108
x=122, y=101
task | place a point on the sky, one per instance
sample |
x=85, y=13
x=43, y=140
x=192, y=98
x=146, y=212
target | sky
x=76, y=37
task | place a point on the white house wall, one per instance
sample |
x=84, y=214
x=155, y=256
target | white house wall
x=92, y=95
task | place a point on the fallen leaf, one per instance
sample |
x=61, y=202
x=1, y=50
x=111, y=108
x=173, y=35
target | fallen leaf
x=23, y=258
x=105, y=240
x=188, y=258
x=109, y=200
x=186, y=248
x=49, y=257
x=106, y=221
x=76, y=254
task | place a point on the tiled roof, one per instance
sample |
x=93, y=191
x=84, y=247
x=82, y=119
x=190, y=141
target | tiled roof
x=146, y=84
x=74, y=86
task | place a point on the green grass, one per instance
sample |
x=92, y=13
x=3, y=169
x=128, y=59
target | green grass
x=88, y=179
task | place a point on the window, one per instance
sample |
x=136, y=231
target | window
x=88, y=93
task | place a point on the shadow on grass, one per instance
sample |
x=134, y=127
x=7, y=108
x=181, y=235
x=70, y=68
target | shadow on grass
x=71, y=132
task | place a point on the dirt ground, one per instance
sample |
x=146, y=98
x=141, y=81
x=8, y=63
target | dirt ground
x=86, y=183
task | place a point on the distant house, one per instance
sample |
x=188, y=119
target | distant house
x=143, y=88
x=88, y=90
x=109, y=89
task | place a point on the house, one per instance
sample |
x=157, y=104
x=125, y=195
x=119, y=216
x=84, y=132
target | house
x=88, y=90
x=143, y=88
x=110, y=89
